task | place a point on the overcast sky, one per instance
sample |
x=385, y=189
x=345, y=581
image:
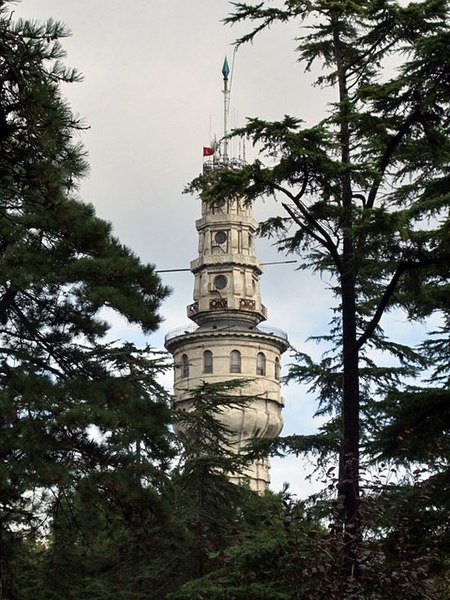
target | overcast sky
x=151, y=97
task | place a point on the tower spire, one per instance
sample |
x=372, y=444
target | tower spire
x=226, y=108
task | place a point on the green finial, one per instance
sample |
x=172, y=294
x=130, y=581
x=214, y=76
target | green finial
x=225, y=69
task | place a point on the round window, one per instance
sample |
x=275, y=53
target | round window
x=221, y=237
x=220, y=281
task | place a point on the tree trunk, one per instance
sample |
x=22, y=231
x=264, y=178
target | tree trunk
x=349, y=461
x=349, y=475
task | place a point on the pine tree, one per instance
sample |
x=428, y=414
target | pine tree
x=71, y=404
x=203, y=496
x=365, y=193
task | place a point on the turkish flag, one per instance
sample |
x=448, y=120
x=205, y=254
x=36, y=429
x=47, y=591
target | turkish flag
x=207, y=151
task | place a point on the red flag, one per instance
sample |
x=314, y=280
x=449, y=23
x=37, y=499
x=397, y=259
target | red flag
x=207, y=151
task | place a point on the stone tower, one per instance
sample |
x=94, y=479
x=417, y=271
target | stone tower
x=227, y=341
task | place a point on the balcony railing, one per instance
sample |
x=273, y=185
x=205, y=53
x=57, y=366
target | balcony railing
x=259, y=329
x=272, y=331
x=180, y=331
x=244, y=304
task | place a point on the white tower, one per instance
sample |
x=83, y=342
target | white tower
x=227, y=341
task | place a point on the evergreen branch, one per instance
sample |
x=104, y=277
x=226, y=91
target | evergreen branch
x=365, y=58
x=389, y=151
x=302, y=191
x=388, y=293
x=255, y=13
x=325, y=241
x=37, y=336
x=7, y=351
x=302, y=225
x=5, y=303
x=295, y=444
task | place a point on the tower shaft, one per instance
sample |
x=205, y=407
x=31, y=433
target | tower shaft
x=228, y=341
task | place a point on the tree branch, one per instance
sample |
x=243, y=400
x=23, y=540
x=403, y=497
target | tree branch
x=388, y=293
x=325, y=241
x=385, y=159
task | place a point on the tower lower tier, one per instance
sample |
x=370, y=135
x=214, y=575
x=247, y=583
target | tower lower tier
x=215, y=354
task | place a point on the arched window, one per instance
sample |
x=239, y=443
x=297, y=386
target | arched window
x=207, y=361
x=260, y=363
x=184, y=366
x=277, y=368
x=235, y=361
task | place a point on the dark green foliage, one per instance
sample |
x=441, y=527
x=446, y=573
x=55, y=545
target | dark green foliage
x=132, y=532
x=88, y=507
x=283, y=551
x=109, y=537
x=205, y=500
x=73, y=408
x=365, y=196
x=417, y=427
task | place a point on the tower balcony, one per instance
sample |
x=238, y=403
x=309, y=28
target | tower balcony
x=263, y=329
x=243, y=304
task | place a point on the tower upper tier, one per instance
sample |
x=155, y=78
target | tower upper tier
x=227, y=271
